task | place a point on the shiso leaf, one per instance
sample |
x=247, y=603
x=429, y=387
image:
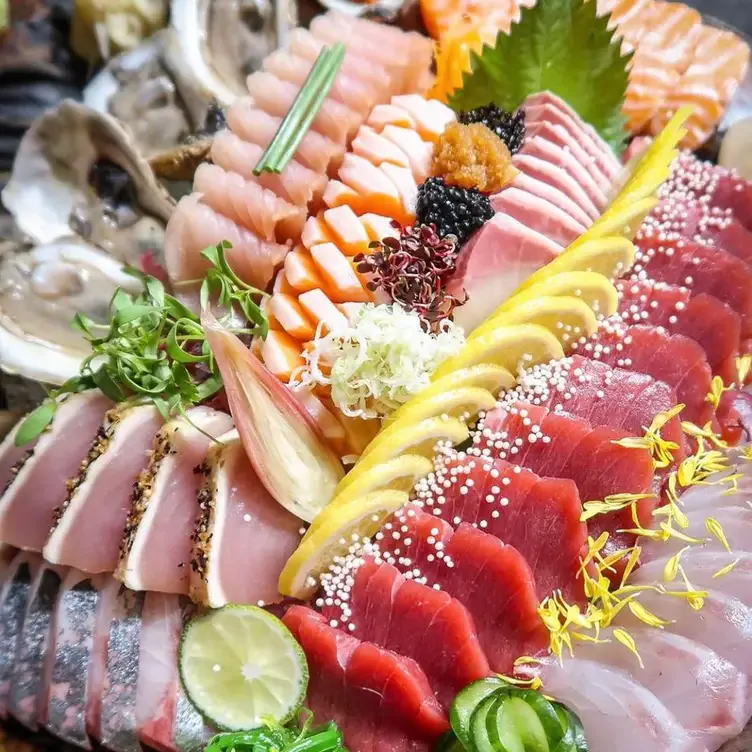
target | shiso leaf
x=561, y=46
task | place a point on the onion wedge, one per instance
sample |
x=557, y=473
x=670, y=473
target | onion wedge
x=290, y=456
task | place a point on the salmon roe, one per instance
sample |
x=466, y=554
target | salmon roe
x=473, y=156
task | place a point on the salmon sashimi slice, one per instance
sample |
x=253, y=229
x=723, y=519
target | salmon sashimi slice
x=377, y=149
x=333, y=120
x=601, y=394
x=322, y=311
x=338, y=272
x=673, y=29
x=282, y=354
x=243, y=536
x=347, y=230
x=300, y=271
x=672, y=358
x=89, y=523
x=567, y=447
x=419, y=622
x=195, y=226
x=419, y=153
x=155, y=551
x=249, y=204
x=27, y=506
x=494, y=263
x=370, y=692
x=679, y=261
x=430, y=116
x=705, y=692
x=537, y=214
x=291, y=316
x=316, y=152
x=617, y=712
x=719, y=63
x=297, y=184
x=703, y=318
x=348, y=90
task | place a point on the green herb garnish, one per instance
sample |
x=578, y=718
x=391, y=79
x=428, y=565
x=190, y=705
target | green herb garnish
x=275, y=738
x=154, y=348
x=304, y=109
x=561, y=46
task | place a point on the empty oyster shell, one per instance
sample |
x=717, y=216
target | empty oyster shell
x=78, y=171
x=41, y=290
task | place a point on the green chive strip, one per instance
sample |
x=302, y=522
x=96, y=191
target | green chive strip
x=304, y=109
x=338, y=55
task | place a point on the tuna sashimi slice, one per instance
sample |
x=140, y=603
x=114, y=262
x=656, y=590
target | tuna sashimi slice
x=553, y=195
x=507, y=622
x=381, y=700
x=249, y=204
x=705, y=692
x=89, y=523
x=243, y=536
x=195, y=226
x=679, y=261
x=35, y=649
x=14, y=599
x=11, y=455
x=538, y=214
x=28, y=504
x=424, y=624
x=493, y=264
x=155, y=552
x=672, y=358
x=618, y=714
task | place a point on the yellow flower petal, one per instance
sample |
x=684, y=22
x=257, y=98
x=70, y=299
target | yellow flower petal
x=627, y=640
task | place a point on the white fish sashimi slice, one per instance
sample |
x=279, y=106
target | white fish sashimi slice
x=89, y=524
x=705, y=692
x=39, y=479
x=724, y=624
x=702, y=568
x=243, y=537
x=155, y=551
x=617, y=713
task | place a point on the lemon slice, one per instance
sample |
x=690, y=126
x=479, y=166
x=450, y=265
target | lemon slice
x=240, y=665
x=567, y=318
x=332, y=534
x=621, y=221
x=597, y=291
x=487, y=376
x=399, y=474
x=511, y=347
x=609, y=256
x=420, y=438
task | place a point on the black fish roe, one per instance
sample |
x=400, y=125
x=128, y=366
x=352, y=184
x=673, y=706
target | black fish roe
x=509, y=127
x=453, y=210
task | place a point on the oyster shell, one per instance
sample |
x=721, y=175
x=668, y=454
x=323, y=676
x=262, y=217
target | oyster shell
x=78, y=171
x=41, y=290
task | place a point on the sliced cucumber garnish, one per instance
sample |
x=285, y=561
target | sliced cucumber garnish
x=580, y=742
x=449, y=743
x=479, y=721
x=547, y=715
x=467, y=701
x=514, y=726
x=567, y=742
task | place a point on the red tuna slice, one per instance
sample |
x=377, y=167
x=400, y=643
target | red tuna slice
x=734, y=193
x=496, y=585
x=493, y=264
x=705, y=319
x=562, y=446
x=538, y=214
x=371, y=693
x=602, y=395
x=672, y=358
x=679, y=261
x=424, y=624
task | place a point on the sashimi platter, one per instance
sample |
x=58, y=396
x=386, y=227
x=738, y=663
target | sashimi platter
x=411, y=411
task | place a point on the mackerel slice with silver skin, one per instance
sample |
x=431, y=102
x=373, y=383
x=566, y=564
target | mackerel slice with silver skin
x=14, y=598
x=155, y=551
x=29, y=682
x=243, y=537
x=164, y=717
x=73, y=646
x=39, y=479
x=89, y=523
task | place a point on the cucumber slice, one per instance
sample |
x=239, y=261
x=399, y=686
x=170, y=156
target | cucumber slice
x=514, y=726
x=467, y=701
x=479, y=721
x=567, y=742
x=546, y=713
x=239, y=665
x=580, y=742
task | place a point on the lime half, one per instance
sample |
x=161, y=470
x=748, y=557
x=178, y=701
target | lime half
x=240, y=665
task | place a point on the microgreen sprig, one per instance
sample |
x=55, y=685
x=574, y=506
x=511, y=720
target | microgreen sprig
x=154, y=349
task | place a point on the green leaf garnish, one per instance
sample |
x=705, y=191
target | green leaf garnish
x=561, y=46
x=154, y=348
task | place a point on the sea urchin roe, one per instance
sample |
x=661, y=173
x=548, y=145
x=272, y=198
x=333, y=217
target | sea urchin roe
x=472, y=156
